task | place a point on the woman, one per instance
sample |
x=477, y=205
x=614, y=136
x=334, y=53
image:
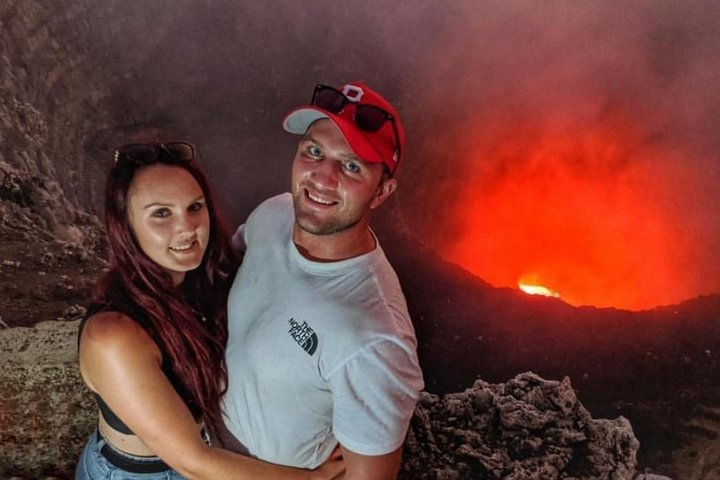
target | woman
x=152, y=346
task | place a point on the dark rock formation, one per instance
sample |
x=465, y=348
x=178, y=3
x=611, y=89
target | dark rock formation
x=48, y=108
x=523, y=429
x=527, y=428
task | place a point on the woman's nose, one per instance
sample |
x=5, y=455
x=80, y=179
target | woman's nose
x=187, y=223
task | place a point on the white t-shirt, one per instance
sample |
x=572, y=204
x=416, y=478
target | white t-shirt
x=317, y=352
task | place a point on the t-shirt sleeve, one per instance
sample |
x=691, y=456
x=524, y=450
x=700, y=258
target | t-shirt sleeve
x=238, y=240
x=261, y=221
x=374, y=395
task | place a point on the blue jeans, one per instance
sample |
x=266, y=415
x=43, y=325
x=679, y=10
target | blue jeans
x=94, y=466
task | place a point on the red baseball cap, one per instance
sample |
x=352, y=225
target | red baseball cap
x=383, y=145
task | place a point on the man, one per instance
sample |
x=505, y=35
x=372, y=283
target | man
x=322, y=350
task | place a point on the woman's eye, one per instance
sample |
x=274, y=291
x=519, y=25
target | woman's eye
x=196, y=207
x=161, y=213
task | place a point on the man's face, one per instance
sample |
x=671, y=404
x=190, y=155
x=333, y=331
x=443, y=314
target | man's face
x=333, y=190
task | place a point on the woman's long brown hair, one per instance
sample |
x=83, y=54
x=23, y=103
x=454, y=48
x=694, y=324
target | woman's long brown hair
x=190, y=322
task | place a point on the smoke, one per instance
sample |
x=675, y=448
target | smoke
x=571, y=142
x=574, y=145
x=224, y=73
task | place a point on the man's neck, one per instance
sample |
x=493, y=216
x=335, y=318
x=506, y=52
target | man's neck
x=336, y=246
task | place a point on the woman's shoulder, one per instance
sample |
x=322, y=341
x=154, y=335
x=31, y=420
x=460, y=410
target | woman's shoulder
x=114, y=329
x=111, y=345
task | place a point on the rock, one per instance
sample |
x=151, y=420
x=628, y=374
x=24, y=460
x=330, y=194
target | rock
x=45, y=410
x=74, y=312
x=526, y=428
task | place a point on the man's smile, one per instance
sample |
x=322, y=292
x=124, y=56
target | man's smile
x=314, y=197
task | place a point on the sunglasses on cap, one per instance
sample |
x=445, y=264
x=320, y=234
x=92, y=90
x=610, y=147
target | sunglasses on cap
x=368, y=118
x=147, y=153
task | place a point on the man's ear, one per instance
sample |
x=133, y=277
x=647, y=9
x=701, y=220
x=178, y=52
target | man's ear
x=386, y=188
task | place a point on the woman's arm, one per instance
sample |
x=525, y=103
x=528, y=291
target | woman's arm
x=120, y=362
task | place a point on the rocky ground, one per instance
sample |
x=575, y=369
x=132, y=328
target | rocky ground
x=525, y=428
x=679, y=437
x=42, y=278
x=45, y=411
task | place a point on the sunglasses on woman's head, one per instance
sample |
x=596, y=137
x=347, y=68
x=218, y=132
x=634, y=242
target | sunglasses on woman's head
x=368, y=118
x=147, y=153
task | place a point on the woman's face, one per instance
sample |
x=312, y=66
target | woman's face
x=169, y=217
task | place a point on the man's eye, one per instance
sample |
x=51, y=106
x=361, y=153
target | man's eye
x=161, y=213
x=314, y=151
x=352, y=167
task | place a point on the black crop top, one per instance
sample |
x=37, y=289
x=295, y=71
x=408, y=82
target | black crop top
x=110, y=417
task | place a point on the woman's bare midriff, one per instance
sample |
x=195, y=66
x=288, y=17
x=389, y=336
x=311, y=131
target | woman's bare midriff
x=131, y=444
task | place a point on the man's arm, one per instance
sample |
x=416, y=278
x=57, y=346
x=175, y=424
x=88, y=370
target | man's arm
x=375, y=467
x=374, y=396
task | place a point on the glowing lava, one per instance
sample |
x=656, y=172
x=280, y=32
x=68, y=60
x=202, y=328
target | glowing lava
x=587, y=210
x=537, y=290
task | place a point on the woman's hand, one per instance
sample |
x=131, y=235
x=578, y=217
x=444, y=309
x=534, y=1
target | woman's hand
x=333, y=468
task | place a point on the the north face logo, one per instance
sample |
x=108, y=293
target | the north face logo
x=304, y=335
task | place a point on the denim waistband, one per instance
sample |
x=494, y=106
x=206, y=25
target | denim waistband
x=130, y=463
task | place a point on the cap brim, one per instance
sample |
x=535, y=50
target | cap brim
x=299, y=120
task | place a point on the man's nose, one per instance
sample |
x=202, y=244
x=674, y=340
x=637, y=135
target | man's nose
x=326, y=173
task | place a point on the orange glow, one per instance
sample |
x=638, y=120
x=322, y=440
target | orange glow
x=584, y=209
x=537, y=290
